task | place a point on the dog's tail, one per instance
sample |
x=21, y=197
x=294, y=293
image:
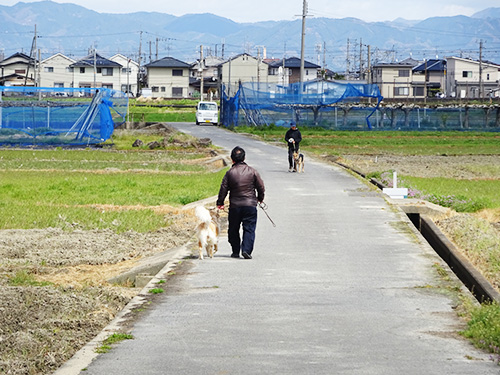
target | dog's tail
x=203, y=214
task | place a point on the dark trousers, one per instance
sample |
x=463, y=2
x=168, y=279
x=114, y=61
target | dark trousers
x=291, y=148
x=247, y=217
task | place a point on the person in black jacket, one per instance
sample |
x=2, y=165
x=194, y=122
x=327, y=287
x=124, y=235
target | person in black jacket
x=293, y=138
x=246, y=189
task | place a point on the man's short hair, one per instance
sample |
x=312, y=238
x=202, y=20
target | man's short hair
x=238, y=154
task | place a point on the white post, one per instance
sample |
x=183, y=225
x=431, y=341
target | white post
x=395, y=180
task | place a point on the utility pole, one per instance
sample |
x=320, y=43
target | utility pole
x=156, y=56
x=201, y=72
x=139, y=71
x=95, y=67
x=304, y=14
x=348, y=60
x=481, y=94
x=35, y=68
x=360, y=58
x=369, y=71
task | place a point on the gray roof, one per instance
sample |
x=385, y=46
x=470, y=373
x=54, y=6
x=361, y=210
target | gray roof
x=99, y=62
x=168, y=62
x=294, y=62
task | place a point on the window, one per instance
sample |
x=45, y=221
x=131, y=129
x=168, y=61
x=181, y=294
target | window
x=154, y=89
x=107, y=71
x=466, y=74
x=99, y=70
x=403, y=73
x=177, y=72
x=488, y=76
x=82, y=70
x=176, y=91
x=58, y=84
x=401, y=91
x=69, y=69
x=163, y=89
x=20, y=71
x=48, y=69
x=418, y=91
x=107, y=86
x=124, y=88
x=126, y=70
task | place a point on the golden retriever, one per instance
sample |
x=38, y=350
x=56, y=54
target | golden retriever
x=207, y=231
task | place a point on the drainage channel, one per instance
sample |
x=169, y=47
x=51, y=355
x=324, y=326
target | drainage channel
x=480, y=288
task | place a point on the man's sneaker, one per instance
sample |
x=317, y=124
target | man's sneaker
x=290, y=169
x=246, y=256
x=235, y=256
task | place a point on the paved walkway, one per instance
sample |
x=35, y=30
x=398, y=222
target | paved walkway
x=334, y=288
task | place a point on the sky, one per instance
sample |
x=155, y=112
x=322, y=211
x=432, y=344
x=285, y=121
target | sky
x=265, y=10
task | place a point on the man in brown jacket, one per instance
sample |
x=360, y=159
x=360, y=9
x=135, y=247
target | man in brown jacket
x=242, y=182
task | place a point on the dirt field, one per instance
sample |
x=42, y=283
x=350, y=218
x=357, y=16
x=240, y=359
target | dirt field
x=42, y=326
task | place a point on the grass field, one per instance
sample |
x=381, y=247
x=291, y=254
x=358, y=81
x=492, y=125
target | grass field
x=68, y=188
x=467, y=195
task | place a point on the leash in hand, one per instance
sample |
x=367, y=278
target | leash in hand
x=264, y=208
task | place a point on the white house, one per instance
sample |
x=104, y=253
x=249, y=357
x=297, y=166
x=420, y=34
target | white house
x=244, y=68
x=463, y=78
x=168, y=78
x=96, y=71
x=17, y=70
x=289, y=70
x=127, y=80
x=394, y=79
x=55, y=71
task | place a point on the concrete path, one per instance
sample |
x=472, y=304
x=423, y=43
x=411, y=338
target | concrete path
x=337, y=287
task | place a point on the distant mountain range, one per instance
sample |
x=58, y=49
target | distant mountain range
x=73, y=30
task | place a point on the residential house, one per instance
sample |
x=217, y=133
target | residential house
x=168, y=78
x=394, y=79
x=429, y=79
x=96, y=71
x=471, y=79
x=210, y=73
x=55, y=71
x=243, y=68
x=17, y=70
x=291, y=69
x=127, y=80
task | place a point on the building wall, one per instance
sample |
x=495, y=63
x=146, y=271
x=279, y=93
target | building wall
x=128, y=74
x=102, y=79
x=463, y=78
x=164, y=84
x=55, y=72
x=245, y=68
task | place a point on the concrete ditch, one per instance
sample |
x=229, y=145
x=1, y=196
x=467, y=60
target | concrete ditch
x=420, y=214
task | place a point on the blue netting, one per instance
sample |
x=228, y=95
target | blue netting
x=44, y=116
x=310, y=103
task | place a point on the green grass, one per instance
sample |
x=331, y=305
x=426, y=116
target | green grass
x=322, y=141
x=483, y=193
x=34, y=199
x=483, y=329
x=156, y=291
x=24, y=278
x=113, y=339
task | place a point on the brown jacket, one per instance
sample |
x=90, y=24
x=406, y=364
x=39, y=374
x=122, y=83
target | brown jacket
x=241, y=181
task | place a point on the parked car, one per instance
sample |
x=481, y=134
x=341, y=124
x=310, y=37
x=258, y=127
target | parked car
x=207, y=112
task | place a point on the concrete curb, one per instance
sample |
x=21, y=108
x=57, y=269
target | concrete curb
x=82, y=358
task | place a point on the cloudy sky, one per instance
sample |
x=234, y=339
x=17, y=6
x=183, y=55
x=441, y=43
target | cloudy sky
x=265, y=10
